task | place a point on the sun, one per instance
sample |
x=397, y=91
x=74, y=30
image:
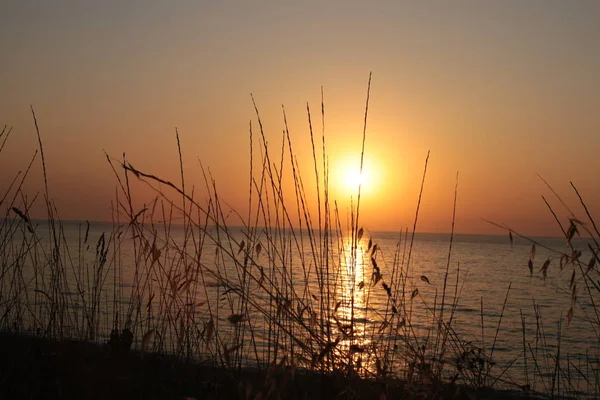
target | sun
x=353, y=178
x=349, y=177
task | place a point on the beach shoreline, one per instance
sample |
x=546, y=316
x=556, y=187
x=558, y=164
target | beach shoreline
x=34, y=367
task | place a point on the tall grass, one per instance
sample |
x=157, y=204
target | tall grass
x=276, y=289
x=554, y=371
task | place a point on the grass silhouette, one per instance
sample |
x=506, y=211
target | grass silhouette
x=279, y=303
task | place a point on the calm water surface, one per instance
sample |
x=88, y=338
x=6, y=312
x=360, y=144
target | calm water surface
x=483, y=266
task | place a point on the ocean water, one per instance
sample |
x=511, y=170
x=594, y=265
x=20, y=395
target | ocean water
x=148, y=280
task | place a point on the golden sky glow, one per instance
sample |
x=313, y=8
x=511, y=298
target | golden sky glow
x=498, y=91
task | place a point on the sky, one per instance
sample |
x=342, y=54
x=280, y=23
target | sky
x=498, y=91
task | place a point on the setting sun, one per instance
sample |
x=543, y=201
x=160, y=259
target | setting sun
x=353, y=178
x=349, y=177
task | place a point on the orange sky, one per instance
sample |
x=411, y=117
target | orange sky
x=498, y=91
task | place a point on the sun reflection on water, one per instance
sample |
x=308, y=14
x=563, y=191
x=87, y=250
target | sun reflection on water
x=351, y=318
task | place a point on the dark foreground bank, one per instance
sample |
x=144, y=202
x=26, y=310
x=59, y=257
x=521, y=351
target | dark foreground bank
x=35, y=368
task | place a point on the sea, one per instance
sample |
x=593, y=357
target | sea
x=523, y=308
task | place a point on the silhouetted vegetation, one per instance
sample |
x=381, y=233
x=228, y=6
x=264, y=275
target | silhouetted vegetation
x=235, y=306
